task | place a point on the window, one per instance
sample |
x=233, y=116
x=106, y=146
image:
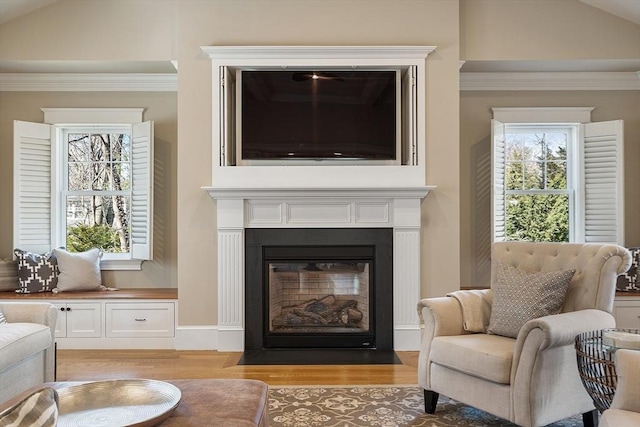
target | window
x=96, y=190
x=85, y=185
x=538, y=191
x=556, y=180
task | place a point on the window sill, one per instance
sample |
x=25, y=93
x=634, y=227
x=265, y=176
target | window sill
x=121, y=264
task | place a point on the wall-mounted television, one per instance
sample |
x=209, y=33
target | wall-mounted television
x=318, y=114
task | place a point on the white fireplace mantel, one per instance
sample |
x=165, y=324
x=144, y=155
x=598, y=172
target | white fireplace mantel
x=315, y=192
x=393, y=207
x=323, y=195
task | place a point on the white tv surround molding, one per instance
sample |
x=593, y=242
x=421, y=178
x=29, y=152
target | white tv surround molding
x=323, y=195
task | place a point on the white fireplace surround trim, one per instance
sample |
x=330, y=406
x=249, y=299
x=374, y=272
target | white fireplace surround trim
x=397, y=208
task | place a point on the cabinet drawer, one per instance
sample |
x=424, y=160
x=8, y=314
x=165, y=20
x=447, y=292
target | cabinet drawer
x=137, y=320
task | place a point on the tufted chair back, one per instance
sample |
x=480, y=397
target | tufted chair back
x=596, y=265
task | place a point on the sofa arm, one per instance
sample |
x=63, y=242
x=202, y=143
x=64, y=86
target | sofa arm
x=627, y=396
x=43, y=313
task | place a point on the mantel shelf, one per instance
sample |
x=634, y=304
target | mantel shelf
x=418, y=192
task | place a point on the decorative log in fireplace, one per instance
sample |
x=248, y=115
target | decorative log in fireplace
x=327, y=312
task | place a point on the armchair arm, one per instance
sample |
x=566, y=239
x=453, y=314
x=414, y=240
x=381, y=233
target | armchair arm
x=440, y=316
x=627, y=396
x=545, y=354
x=561, y=329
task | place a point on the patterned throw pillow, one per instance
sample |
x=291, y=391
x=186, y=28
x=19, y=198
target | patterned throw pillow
x=39, y=409
x=2, y=318
x=519, y=296
x=79, y=271
x=628, y=281
x=36, y=273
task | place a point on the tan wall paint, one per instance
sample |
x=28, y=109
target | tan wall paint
x=169, y=29
x=135, y=30
x=475, y=145
x=315, y=23
x=161, y=107
x=544, y=30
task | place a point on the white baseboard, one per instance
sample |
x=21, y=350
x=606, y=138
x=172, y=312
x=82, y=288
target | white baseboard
x=406, y=338
x=196, y=338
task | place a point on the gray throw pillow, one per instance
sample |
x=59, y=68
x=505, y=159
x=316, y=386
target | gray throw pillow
x=79, y=271
x=36, y=273
x=520, y=296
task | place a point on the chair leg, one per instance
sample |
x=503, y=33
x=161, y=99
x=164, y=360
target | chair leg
x=430, y=401
x=591, y=418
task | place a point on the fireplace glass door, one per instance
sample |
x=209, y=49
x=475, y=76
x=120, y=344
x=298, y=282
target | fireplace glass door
x=319, y=297
x=314, y=301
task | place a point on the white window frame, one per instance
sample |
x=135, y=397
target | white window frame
x=48, y=236
x=572, y=162
x=63, y=132
x=596, y=175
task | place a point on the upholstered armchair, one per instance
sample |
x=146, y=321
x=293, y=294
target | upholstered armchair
x=625, y=408
x=526, y=373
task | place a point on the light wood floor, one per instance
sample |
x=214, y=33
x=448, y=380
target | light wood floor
x=85, y=365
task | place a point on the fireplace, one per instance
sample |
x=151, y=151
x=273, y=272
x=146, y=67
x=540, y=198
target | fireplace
x=319, y=194
x=319, y=288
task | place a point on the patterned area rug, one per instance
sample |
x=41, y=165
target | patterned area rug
x=385, y=406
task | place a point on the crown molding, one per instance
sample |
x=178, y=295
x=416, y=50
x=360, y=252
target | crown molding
x=512, y=81
x=57, y=82
x=550, y=81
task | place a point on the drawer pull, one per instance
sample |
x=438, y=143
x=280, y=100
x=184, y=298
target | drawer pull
x=141, y=320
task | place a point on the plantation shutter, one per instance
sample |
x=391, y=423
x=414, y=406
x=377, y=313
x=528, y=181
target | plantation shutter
x=498, y=211
x=33, y=193
x=142, y=191
x=603, y=178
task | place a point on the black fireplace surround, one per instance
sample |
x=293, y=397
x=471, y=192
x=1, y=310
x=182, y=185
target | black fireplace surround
x=373, y=246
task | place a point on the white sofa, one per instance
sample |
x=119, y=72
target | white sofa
x=625, y=408
x=27, y=347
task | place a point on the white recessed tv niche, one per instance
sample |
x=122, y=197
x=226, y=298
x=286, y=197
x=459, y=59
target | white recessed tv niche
x=315, y=112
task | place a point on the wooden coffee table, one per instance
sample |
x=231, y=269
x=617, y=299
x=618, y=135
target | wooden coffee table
x=215, y=402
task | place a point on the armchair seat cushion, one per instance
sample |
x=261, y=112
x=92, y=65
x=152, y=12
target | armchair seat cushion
x=481, y=355
x=18, y=341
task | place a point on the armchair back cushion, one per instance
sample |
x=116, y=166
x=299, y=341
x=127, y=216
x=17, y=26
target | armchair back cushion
x=591, y=283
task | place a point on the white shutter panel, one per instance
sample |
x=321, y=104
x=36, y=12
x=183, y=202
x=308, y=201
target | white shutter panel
x=498, y=211
x=33, y=194
x=142, y=191
x=409, y=150
x=227, y=118
x=603, y=183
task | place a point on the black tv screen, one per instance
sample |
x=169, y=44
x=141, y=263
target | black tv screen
x=309, y=114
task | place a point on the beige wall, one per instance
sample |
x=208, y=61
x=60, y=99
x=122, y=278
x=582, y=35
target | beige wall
x=175, y=29
x=159, y=107
x=314, y=22
x=544, y=30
